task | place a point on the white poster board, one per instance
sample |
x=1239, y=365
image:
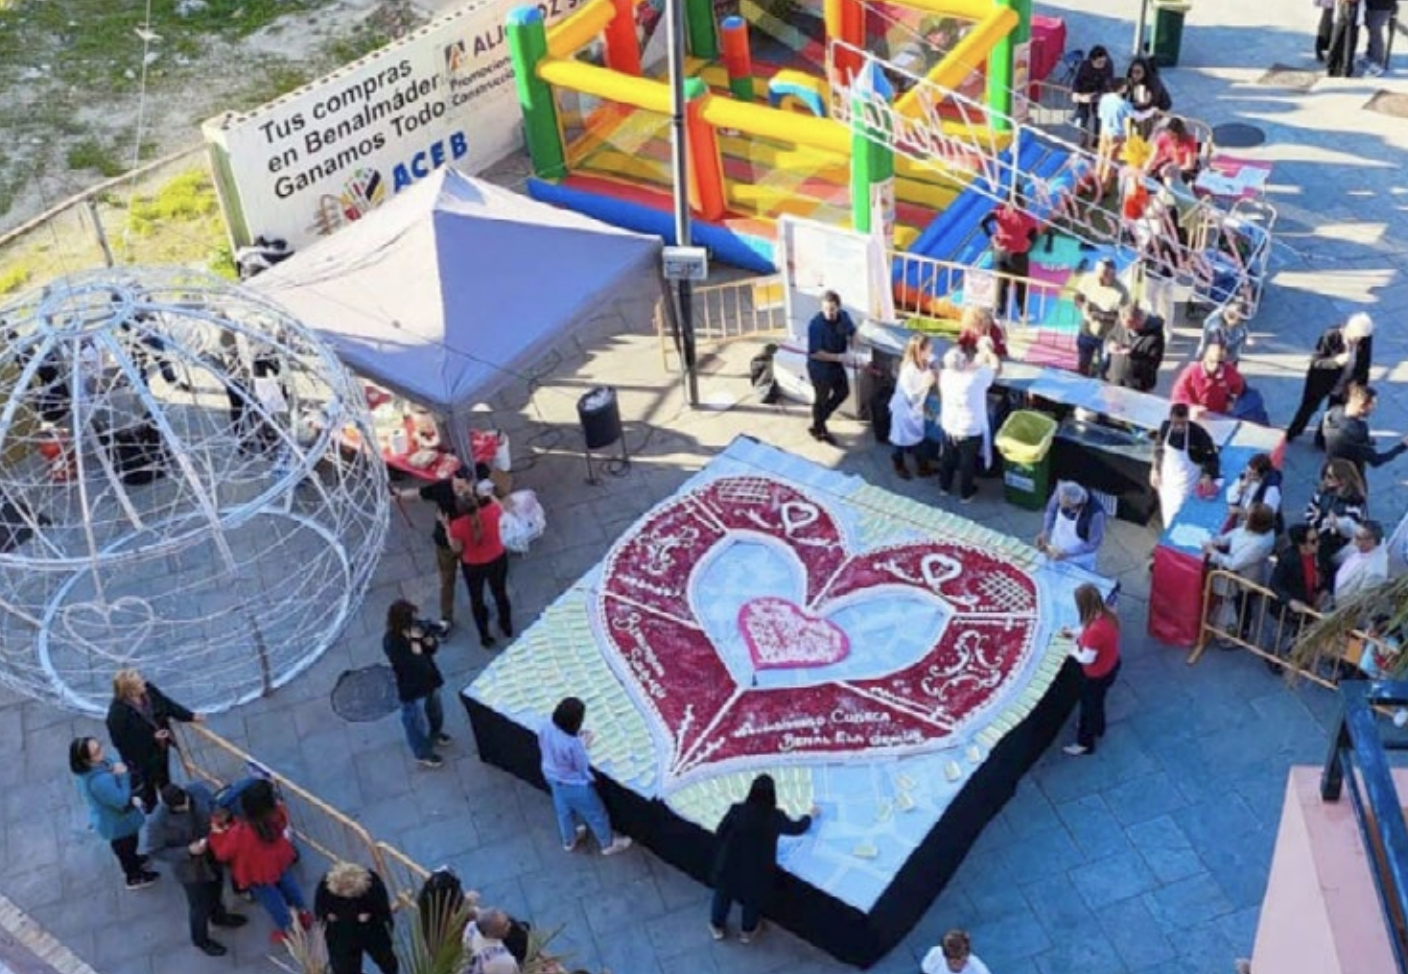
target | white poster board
x=322, y=156
x=816, y=258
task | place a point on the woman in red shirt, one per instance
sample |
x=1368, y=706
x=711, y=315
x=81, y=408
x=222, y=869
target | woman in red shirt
x=1097, y=650
x=261, y=857
x=476, y=537
x=1174, y=143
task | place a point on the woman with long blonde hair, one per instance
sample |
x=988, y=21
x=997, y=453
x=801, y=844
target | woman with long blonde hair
x=1097, y=649
x=139, y=726
x=912, y=387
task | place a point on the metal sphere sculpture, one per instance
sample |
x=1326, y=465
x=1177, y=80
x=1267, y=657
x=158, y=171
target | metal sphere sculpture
x=184, y=489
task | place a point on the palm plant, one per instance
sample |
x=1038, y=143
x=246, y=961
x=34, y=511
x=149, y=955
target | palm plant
x=307, y=950
x=1326, y=637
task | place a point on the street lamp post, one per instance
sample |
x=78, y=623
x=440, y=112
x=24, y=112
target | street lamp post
x=1139, y=26
x=684, y=311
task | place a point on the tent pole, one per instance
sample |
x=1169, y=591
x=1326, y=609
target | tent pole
x=675, y=21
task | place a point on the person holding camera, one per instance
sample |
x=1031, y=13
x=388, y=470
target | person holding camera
x=410, y=647
x=139, y=724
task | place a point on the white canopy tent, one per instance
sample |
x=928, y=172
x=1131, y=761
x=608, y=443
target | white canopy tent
x=448, y=291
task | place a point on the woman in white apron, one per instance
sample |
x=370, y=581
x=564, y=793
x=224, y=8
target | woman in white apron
x=912, y=388
x=1183, y=455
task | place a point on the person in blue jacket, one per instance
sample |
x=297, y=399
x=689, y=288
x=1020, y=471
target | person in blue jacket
x=112, y=807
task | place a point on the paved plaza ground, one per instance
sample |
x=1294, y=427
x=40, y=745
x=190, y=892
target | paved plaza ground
x=1151, y=856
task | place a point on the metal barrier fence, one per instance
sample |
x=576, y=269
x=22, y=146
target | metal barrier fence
x=722, y=313
x=98, y=227
x=331, y=834
x=1242, y=614
x=208, y=757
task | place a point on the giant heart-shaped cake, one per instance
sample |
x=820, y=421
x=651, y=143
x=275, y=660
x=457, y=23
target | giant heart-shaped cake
x=705, y=718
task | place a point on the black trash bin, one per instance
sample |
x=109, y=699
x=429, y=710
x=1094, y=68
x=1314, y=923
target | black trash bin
x=600, y=415
x=1167, y=42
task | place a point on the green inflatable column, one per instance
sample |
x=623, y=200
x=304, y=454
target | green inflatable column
x=1000, y=79
x=527, y=47
x=1024, y=22
x=701, y=32
x=872, y=172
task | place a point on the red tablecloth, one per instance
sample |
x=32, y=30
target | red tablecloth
x=1176, y=597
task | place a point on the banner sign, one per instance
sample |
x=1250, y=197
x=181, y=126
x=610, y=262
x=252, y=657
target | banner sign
x=324, y=155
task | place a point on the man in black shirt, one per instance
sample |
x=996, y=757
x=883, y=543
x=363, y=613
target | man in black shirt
x=445, y=495
x=829, y=336
x=1347, y=435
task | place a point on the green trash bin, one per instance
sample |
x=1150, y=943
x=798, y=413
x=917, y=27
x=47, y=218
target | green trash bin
x=1025, y=444
x=1167, y=40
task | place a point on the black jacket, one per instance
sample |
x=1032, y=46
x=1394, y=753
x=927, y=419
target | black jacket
x=417, y=675
x=375, y=903
x=1288, y=579
x=1090, y=80
x=1135, y=359
x=747, y=854
x=134, y=735
x=1201, y=449
x=1347, y=438
x=1328, y=377
x=1152, y=93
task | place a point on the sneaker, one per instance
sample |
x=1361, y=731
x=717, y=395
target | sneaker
x=718, y=933
x=576, y=839
x=305, y=919
x=619, y=844
x=213, y=948
x=434, y=761
x=1076, y=750
x=748, y=936
x=142, y=880
x=230, y=920
x=968, y=499
x=443, y=628
x=443, y=740
x=278, y=938
x=487, y=641
x=1373, y=69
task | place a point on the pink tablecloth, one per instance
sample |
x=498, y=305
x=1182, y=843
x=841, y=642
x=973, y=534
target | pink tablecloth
x=1176, y=597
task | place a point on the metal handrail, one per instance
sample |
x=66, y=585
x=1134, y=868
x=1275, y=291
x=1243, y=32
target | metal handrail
x=1358, y=755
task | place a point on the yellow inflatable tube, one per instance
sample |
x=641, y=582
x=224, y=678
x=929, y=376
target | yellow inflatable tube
x=653, y=96
x=967, y=9
x=818, y=133
x=569, y=36
x=966, y=55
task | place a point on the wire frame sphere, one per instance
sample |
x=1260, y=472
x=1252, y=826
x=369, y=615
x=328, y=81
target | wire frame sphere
x=186, y=488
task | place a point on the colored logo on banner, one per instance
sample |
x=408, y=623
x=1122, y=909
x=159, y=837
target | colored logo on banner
x=362, y=193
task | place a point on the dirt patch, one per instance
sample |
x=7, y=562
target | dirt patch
x=91, y=89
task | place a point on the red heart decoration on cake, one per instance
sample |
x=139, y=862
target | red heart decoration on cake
x=780, y=635
x=705, y=720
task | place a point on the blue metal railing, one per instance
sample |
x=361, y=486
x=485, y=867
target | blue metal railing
x=1359, y=757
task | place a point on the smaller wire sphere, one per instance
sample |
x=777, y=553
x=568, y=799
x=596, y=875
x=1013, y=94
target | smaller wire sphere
x=188, y=486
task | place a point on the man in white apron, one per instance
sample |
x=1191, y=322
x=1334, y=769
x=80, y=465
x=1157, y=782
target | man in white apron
x=1184, y=454
x=1073, y=527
